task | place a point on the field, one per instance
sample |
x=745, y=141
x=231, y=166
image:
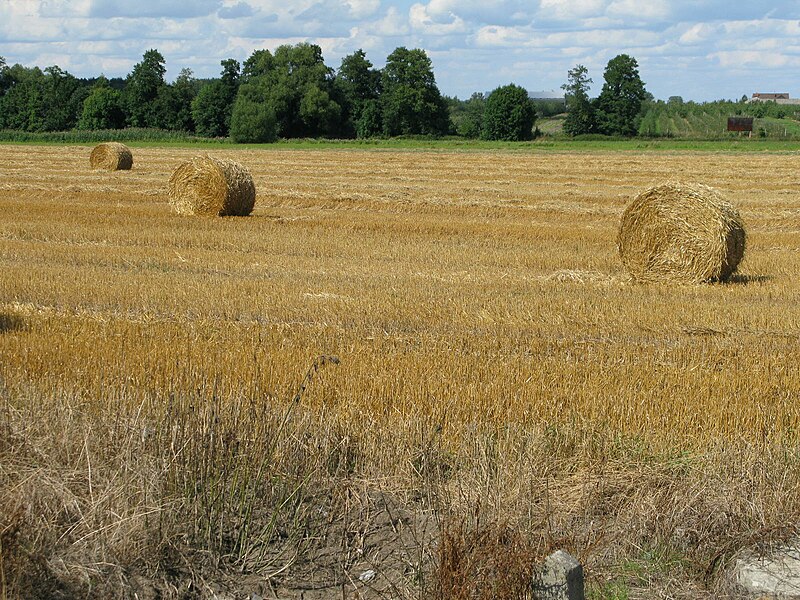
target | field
x=406, y=375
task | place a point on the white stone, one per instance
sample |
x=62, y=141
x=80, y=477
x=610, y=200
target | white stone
x=775, y=576
x=561, y=578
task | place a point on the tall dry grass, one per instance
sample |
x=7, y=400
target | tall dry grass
x=493, y=361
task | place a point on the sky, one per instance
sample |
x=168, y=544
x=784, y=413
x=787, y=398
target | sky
x=698, y=49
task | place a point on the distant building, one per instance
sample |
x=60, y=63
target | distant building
x=545, y=95
x=778, y=98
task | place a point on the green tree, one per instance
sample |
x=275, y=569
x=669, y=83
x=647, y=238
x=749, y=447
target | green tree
x=509, y=115
x=259, y=63
x=580, y=112
x=4, y=77
x=410, y=100
x=471, y=123
x=620, y=101
x=173, y=107
x=297, y=87
x=358, y=84
x=22, y=104
x=301, y=92
x=142, y=88
x=370, y=122
x=212, y=108
x=253, y=121
x=62, y=100
x=102, y=109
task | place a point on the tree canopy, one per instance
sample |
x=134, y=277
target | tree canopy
x=142, y=88
x=212, y=108
x=580, y=112
x=620, y=101
x=509, y=115
x=359, y=85
x=410, y=101
x=292, y=93
x=102, y=108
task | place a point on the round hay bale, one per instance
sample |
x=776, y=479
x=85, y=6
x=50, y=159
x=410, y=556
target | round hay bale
x=681, y=232
x=212, y=186
x=111, y=156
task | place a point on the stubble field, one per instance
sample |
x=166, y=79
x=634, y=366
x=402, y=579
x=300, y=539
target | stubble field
x=399, y=359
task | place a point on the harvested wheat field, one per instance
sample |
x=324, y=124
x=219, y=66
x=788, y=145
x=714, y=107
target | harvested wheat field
x=407, y=374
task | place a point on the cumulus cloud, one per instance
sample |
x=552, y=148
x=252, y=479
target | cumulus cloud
x=435, y=24
x=360, y=9
x=568, y=10
x=177, y=9
x=236, y=11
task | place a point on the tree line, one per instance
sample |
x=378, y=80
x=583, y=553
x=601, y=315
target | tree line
x=292, y=93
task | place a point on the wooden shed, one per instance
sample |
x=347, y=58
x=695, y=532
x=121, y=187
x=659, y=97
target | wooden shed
x=740, y=124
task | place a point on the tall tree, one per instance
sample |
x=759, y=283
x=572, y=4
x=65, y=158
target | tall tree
x=142, y=88
x=3, y=76
x=297, y=88
x=213, y=106
x=580, y=112
x=471, y=123
x=509, y=115
x=174, y=103
x=62, y=99
x=410, y=101
x=102, y=109
x=620, y=100
x=20, y=105
x=253, y=120
x=259, y=63
x=358, y=84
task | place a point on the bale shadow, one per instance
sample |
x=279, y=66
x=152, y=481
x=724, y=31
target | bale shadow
x=740, y=279
x=9, y=323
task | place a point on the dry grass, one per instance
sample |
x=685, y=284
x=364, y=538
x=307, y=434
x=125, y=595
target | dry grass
x=212, y=187
x=111, y=156
x=681, y=233
x=492, y=354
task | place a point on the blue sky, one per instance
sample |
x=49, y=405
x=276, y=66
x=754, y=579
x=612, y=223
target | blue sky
x=699, y=49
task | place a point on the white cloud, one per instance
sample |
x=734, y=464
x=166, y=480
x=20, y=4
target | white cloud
x=361, y=9
x=494, y=36
x=436, y=24
x=698, y=33
x=765, y=59
x=639, y=10
x=392, y=24
x=153, y=8
x=565, y=10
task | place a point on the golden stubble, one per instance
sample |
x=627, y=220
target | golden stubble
x=456, y=289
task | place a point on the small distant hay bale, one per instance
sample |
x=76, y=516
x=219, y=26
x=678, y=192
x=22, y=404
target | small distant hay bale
x=111, y=156
x=213, y=187
x=681, y=232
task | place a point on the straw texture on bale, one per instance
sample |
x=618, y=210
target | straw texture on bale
x=681, y=232
x=213, y=187
x=111, y=156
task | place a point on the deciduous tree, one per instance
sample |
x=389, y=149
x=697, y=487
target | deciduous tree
x=580, y=112
x=142, y=87
x=212, y=108
x=509, y=115
x=102, y=109
x=410, y=100
x=620, y=100
x=358, y=84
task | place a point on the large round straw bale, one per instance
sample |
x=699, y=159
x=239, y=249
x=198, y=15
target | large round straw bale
x=111, y=156
x=681, y=232
x=212, y=186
